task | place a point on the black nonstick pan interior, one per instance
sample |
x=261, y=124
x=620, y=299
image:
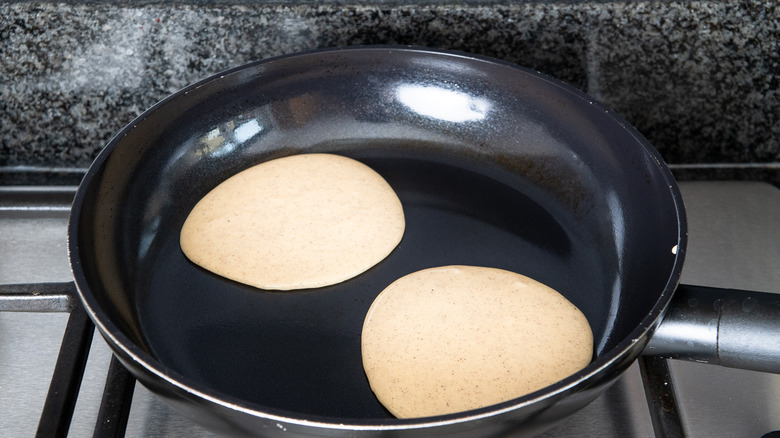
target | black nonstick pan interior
x=537, y=181
x=300, y=351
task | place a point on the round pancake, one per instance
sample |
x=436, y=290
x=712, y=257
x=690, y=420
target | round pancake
x=454, y=338
x=301, y=221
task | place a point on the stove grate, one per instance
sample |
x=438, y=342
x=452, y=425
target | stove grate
x=118, y=391
x=71, y=361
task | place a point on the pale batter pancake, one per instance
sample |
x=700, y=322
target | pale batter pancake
x=302, y=221
x=453, y=338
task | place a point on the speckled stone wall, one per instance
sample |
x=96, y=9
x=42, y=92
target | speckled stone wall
x=698, y=79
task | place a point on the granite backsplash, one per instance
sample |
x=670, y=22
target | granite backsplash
x=698, y=78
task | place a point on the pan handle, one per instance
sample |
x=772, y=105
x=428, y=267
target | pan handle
x=727, y=327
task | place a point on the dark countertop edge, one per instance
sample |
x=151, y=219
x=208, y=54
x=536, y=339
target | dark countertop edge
x=34, y=176
x=334, y=3
x=765, y=172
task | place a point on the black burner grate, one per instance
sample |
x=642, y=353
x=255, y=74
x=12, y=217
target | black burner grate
x=72, y=359
x=118, y=391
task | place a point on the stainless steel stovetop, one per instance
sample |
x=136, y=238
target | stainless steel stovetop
x=734, y=232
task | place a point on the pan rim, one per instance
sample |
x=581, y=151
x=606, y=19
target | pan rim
x=131, y=353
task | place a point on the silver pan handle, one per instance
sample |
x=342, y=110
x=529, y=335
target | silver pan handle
x=727, y=327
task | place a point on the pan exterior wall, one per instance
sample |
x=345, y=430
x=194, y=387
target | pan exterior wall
x=698, y=79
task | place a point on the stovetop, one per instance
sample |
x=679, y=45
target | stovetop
x=734, y=242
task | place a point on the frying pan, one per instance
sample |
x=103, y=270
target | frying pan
x=496, y=165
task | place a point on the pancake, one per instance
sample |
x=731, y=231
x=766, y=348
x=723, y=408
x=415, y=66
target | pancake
x=302, y=221
x=454, y=338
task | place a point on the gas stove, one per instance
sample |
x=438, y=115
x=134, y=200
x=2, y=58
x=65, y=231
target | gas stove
x=57, y=379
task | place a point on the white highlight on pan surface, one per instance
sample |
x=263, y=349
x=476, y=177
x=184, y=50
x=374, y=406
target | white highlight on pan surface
x=442, y=103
